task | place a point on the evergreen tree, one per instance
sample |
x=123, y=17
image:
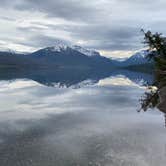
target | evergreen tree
x=157, y=50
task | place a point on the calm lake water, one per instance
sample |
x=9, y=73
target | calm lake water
x=93, y=123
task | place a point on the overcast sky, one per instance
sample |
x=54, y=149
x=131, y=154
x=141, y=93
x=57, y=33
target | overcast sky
x=109, y=26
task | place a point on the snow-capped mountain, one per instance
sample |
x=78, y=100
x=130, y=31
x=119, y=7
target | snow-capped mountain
x=139, y=58
x=73, y=56
x=57, y=48
x=62, y=48
x=65, y=56
x=84, y=51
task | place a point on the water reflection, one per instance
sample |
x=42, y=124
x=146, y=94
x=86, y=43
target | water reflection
x=90, y=125
x=155, y=96
x=74, y=78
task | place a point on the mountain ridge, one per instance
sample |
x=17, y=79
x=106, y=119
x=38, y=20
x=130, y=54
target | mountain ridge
x=138, y=58
x=59, y=56
x=75, y=56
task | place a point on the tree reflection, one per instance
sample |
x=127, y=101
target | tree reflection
x=150, y=99
x=155, y=97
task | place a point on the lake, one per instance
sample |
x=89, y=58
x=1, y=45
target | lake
x=91, y=122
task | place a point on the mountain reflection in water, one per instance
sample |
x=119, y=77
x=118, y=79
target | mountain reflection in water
x=73, y=77
x=93, y=122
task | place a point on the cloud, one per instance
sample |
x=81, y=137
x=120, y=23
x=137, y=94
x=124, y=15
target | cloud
x=107, y=37
x=72, y=10
x=96, y=36
x=40, y=41
x=103, y=25
x=7, y=18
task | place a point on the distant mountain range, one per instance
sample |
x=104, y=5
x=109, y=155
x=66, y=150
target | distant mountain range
x=60, y=56
x=139, y=58
x=137, y=62
x=63, y=56
x=75, y=57
x=71, y=65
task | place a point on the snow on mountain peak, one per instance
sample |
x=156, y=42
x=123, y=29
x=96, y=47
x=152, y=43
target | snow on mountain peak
x=63, y=47
x=84, y=51
x=57, y=48
x=138, y=58
x=141, y=54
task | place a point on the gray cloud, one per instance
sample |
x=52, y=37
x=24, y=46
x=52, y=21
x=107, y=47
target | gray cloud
x=67, y=9
x=99, y=36
x=104, y=24
x=109, y=38
x=7, y=18
x=43, y=41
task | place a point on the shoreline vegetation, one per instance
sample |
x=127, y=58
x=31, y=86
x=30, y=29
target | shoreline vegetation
x=156, y=94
